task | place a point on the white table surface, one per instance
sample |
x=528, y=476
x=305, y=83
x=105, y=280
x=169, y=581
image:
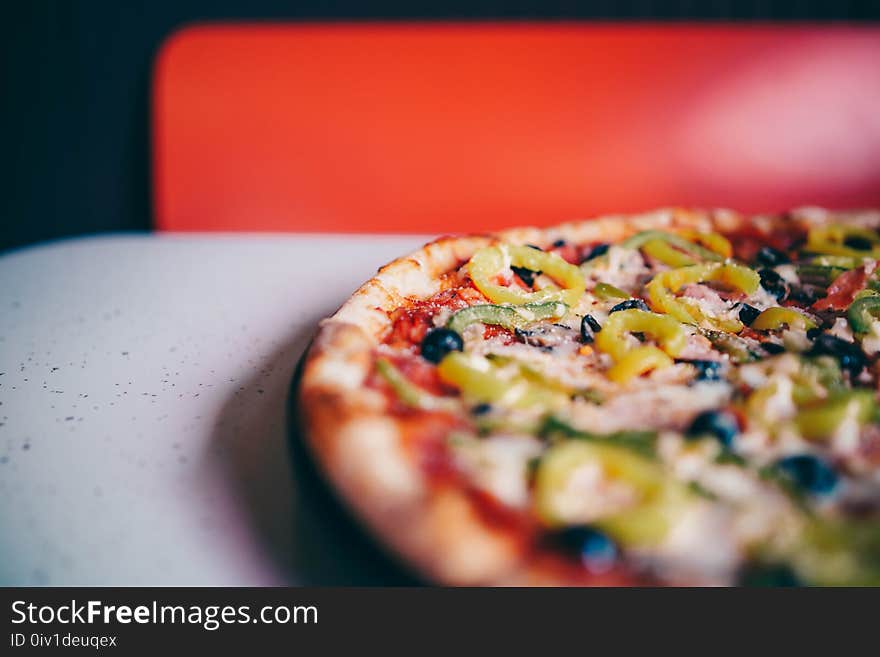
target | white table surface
x=144, y=383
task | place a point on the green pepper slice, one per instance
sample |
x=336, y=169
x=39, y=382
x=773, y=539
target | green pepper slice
x=411, y=394
x=862, y=312
x=605, y=291
x=509, y=317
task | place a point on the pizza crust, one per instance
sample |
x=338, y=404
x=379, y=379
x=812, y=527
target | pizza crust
x=358, y=446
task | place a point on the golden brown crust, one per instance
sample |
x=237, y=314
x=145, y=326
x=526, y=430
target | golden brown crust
x=358, y=445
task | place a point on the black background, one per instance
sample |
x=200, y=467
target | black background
x=76, y=85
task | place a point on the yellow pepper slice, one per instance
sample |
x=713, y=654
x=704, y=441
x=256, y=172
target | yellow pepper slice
x=637, y=362
x=650, y=500
x=713, y=241
x=820, y=422
x=662, y=289
x=606, y=291
x=487, y=263
x=832, y=240
x=639, y=240
x=668, y=332
x=662, y=251
x=479, y=380
x=776, y=318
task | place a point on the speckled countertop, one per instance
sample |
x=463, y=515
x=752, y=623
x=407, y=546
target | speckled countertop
x=143, y=390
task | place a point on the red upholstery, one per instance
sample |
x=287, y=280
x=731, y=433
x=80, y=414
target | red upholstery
x=454, y=127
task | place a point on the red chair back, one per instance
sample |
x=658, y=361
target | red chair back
x=458, y=127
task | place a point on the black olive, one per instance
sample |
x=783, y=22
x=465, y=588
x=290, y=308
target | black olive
x=558, y=244
x=813, y=333
x=858, y=243
x=720, y=424
x=850, y=355
x=481, y=409
x=769, y=257
x=589, y=328
x=766, y=575
x=595, y=252
x=536, y=248
x=809, y=473
x=639, y=304
x=772, y=348
x=806, y=295
x=748, y=314
x=439, y=342
x=707, y=370
x=773, y=283
x=596, y=550
x=527, y=275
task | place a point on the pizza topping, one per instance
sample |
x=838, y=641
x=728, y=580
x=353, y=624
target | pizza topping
x=605, y=291
x=489, y=263
x=747, y=314
x=773, y=282
x=595, y=252
x=508, y=317
x=663, y=407
x=808, y=473
x=411, y=394
x=595, y=550
x=629, y=304
x=707, y=370
x=862, y=311
x=721, y=425
x=440, y=341
x=839, y=240
x=848, y=354
x=767, y=256
x=777, y=318
x=663, y=286
x=589, y=328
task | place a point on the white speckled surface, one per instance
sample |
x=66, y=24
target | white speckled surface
x=143, y=383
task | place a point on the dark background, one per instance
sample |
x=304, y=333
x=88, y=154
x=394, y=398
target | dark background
x=76, y=87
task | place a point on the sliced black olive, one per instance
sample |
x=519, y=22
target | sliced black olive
x=772, y=348
x=767, y=575
x=595, y=549
x=589, y=328
x=541, y=337
x=849, y=355
x=773, y=283
x=527, y=275
x=813, y=333
x=481, y=409
x=720, y=424
x=769, y=257
x=439, y=342
x=707, y=370
x=858, y=243
x=558, y=243
x=638, y=304
x=806, y=295
x=809, y=473
x=536, y=248
x=748, y=314
x=595, y=252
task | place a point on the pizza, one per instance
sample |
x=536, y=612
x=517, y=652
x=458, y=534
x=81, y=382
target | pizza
x=679, y=398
